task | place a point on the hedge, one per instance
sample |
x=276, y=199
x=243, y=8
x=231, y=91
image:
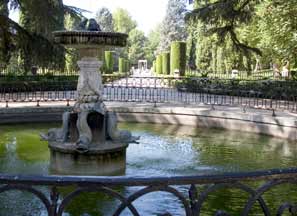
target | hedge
x=178, y=57
x=122, y=65
x=127, y=65
x=166, y=63
x=159, y=64
x=108, y=62
x=154, y=66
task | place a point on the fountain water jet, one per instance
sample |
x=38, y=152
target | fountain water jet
x=89, y=142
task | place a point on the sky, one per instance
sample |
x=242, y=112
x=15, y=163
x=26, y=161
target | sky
x=147, y=13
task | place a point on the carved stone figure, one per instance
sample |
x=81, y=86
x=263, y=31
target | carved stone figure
x=93, y=25
x=89, y=25
x=89, y=132
x=82, y=25
x=85, y=133
x=118, y=135
x=58, y=134
x=89, y=85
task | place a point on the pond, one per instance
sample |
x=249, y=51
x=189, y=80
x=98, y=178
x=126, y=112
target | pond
x=163, y=150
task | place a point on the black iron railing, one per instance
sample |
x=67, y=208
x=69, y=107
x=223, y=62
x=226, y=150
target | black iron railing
x=190, y=199
x=273, y=95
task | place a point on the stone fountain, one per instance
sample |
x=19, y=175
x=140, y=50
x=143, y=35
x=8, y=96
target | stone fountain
x=89, y=142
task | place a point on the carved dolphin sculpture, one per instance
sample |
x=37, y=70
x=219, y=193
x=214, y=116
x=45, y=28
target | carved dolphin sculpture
x=88, y=25
x=58, y=134
x=118, y=135
x=53, y=134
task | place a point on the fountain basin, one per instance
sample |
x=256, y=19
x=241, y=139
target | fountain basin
x=164, y=150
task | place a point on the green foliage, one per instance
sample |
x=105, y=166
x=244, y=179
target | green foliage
x=278, y=27
x=173, y=27
x=5, y=37
x=281, y=90
x=223, y=18
x=122, y=21
x=294, y=74
x=191, y=45
x=33, y=18
x=108, y=60
x=166, y=63
x=126, y=65
x=71, y=56
x=32, y=39
x=159, y=64
x=154, y=67
x=151, y=44
x=242, y=34
x=178, y=57
x=136, y=43
x=122, y=65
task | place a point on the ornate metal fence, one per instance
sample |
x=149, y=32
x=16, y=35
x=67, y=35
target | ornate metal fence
x=192, y=200
x=271, y=95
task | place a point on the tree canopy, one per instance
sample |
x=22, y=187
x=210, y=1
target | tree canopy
x=173, y=27
x=223, y=17
x=123, y=21
x=31, y=38
x=136, y=43
x=105, y=19
x=239, y=33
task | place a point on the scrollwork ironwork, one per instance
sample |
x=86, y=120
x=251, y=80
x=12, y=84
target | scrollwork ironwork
x=191, y=202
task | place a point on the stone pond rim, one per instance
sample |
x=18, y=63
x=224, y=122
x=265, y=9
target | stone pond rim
x=94, y=38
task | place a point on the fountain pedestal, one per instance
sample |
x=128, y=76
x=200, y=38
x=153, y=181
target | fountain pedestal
x=89, y=142
x=108, y=159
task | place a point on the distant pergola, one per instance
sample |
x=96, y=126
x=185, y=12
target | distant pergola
x=142, y=65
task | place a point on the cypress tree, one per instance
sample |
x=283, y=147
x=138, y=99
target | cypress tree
x=159, y=64
x=127, y=65
x=166, y=63
x=5, y=39
x=154, y=67
x=173, y=26
x=121, y=65
x=109, y=62
x=178, y=57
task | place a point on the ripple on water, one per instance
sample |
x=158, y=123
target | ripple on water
x=162, y=151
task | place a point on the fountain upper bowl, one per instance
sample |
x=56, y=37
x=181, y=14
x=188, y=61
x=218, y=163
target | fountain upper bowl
x=91, y=39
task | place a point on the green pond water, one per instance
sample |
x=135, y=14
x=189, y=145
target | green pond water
x=163, y=150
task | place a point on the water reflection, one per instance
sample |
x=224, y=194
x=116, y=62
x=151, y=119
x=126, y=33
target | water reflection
x=164, y=150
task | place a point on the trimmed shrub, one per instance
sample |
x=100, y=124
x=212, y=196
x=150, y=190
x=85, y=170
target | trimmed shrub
x=154, y=66
x=178, y=57
x=159, y=64
x=108, y=60
x=166, y=63
x=127, y=65
x=122, y=65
